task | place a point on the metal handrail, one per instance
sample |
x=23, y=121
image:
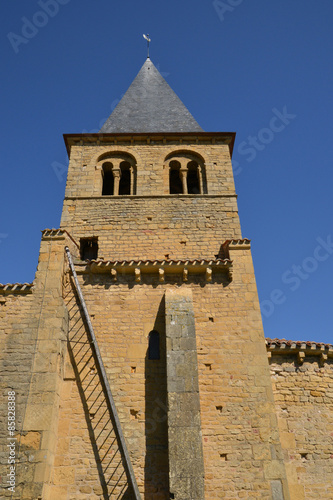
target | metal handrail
x=112, y=407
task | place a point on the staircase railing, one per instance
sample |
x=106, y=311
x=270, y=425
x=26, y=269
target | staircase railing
x=110, y=401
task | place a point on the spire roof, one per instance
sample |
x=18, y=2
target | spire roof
x=150, y=105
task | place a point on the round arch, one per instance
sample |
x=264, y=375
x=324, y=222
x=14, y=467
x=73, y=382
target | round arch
x=186, y=153
x=119, y=178
x=190, y=177
x=111, y=150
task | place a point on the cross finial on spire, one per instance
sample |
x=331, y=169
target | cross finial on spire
x=146, y=37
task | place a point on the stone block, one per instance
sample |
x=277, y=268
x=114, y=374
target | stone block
x=58, y=493
x=277, y=491
x=136, y=351
x=31, y=440
x=288, y=440
x=38, y=417
x=63, y=476
x=274, y=470
x=296, y=492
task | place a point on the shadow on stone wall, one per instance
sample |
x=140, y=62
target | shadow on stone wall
x=156, y=430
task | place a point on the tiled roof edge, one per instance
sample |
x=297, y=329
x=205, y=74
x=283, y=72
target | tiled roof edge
x=242, y=241
x=296, y=344
x=159, y=267
x=54, y=233
x=19, y=288
x=165, y=262
x=302, y=350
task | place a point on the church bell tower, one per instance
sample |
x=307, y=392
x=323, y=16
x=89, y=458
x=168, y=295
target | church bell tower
x=169, y=281
x=151, y=224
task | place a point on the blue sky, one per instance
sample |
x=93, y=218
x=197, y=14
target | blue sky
x=261, y=69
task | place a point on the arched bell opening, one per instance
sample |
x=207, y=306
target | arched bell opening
x=118, y=174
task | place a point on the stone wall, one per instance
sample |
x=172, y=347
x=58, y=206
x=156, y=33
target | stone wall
x=253, y=442
x=152, y=224
x=303, y=393
x=18, y=333
x=122, y=319
x=154, y=228
x=241, y=447
x=33, y=340
x=242, y=451
x=85, y=175
x=248, y=452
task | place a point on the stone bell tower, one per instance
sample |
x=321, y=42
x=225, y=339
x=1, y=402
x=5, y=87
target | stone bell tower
x=153, y=195
x=150, y=217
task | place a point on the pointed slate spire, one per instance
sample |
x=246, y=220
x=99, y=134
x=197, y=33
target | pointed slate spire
x=150, y=105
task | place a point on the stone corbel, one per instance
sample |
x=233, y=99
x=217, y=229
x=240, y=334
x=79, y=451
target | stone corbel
x=137, y=273
x=209, y=274
x=301, y=357
x=161, y=275
x=323, y=359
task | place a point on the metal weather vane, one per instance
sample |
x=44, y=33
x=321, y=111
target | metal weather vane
x=146, y=37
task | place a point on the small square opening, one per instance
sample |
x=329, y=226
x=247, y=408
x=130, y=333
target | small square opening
x=88, y=248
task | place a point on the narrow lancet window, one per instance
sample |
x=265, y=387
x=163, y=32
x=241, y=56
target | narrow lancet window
x=154, y=345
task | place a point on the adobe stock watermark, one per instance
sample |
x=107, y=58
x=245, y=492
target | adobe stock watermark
x=30, y=27
x=225, y=7
x=254, y=144
x=163, y=73
x=296, y=274
x=159, y=415
x=3, y=236
x=60, y=169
